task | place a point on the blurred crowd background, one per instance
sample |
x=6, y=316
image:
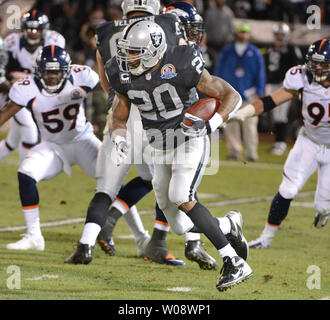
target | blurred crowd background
x=76, y=20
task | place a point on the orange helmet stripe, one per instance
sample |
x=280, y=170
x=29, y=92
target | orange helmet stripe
x=322, y=43
x=53, y=49
x=34, y=12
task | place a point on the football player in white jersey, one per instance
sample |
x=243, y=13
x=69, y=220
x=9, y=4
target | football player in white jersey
x=55, y=96
x=311, y=150
x=23, y=49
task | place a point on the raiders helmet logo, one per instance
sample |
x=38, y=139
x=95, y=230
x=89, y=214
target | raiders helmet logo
x=156, y=38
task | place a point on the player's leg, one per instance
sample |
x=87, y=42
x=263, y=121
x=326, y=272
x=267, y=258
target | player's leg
x=124, y=205
x=299, y=166
x=250, y=138
x=42, y=164
x=11, y=142
x=322, y=194
x=186, y=176
x=232, y=133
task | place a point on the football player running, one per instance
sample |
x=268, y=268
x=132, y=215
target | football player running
x=23, y=49
x=311, y=150
x=162, y=84
x=111, y=176
x=55, y=96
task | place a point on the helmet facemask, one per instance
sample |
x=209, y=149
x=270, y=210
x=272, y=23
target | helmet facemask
x=319, y=69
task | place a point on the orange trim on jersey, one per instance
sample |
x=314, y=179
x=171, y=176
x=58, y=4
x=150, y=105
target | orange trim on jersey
x=31, y=207
x=53, y=49
x=83, y=90
x=273, y=225
x=162, y=222
x=123, y=203
x=322, y=43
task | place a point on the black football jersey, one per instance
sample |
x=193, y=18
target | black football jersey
x=108, y=33
x=163, y=95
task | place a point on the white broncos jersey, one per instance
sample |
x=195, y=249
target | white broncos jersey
x=60, y=117
x=315, y=104
x=26, y=59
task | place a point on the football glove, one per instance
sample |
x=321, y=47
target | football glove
x=121, y=149
x=199, y=126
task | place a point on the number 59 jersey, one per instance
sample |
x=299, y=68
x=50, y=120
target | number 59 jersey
x=60, y=117
x=315, y=104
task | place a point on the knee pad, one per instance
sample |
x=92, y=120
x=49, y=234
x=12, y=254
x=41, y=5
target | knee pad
x=288, y=189
x=180, y=223
x=27, y=190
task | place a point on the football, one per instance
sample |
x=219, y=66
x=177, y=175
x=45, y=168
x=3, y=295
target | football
x=204, y=108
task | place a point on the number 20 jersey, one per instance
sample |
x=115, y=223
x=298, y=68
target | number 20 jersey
x=163, y=95
x=315, y=104
x=60, y=117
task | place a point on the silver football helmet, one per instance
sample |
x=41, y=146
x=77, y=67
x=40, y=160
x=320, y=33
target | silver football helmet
x=141, y=46
x=281, y=32
x=150, y=6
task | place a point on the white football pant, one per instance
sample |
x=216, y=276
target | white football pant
x=177, y=174
x=303, y=160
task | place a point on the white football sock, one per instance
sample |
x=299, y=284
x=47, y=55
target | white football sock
x=32, y=220
x=192, y=236
x=90, y=233
x=227, y=251
x=269, y=230
x=121, y=206
x=134, y=222
x=225, y=225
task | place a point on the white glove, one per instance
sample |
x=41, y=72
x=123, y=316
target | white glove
x=121, y=149
x=197, y=129
x=199, y=126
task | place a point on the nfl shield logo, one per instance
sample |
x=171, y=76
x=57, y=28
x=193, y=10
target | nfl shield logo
x=148, y=76
x=156, y=38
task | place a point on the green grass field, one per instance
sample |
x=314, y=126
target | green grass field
x=280, y=272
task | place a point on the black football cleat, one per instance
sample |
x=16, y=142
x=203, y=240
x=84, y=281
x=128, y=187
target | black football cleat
x=233, y=271
x=107, y=245
x=82, y=255
x=235, y=237
x=156, y=251
x=194, y=251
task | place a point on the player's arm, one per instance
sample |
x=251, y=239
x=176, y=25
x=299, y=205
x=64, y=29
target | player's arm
x=103, y=78
x=264, y=104
x=117, y=126
x=8, y=110
x=121, y=107
x=215, y=87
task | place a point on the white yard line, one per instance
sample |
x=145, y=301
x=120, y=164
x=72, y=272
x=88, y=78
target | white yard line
x=215, y=204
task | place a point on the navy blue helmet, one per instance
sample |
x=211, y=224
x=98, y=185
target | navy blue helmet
x=318, y=60
x=53, y=68
x=34, y=24
x=191, y=21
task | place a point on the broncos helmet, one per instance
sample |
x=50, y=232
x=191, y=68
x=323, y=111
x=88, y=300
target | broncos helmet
x=191, y=21
x=141, y=46
x=318, y=60
x=53, y=68
x=31, y=23
x=149, y=6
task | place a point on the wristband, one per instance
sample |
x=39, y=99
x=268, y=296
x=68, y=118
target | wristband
x=215, y=122
x=268, y=102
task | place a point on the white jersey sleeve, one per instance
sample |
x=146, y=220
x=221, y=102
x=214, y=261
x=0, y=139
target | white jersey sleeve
x=11, y=42
x=54, y=38
x=295, y=78
x=23, y=91
x=84, y=77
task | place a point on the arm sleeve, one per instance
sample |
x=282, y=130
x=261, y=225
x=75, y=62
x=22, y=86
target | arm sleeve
x=294, y=78
x=87, y=78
